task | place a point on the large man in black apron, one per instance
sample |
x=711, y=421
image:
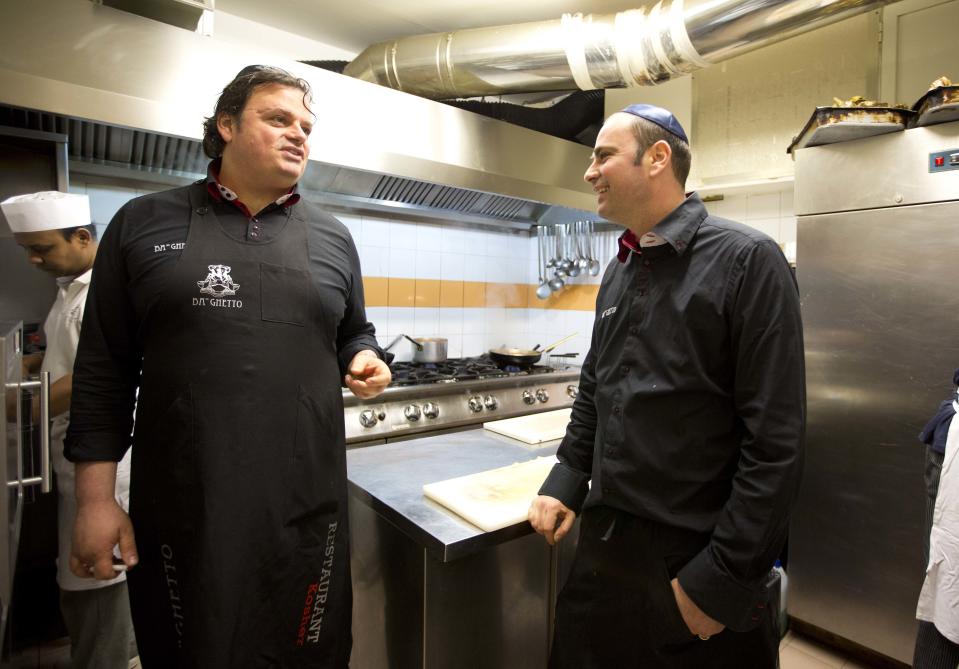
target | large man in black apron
x=235, y=309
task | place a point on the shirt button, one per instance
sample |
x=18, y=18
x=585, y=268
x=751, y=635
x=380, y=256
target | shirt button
x=633, y=330
x=642, y=292
x=611, y=452
x=617, y=410
x=624, y=369
x=646, y=262
x=254, y=234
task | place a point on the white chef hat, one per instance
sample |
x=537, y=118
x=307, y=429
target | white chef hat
x=46, y=210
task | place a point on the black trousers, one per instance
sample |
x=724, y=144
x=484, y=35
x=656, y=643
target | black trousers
x=618, y=611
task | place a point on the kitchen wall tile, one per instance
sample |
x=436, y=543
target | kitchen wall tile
x=376, y=291
x=732, y=207
x=454, y=344
x=474, y=241
x=474, y=344
x=402, y=292
x=376, y=232
x=427, y=293
x=497, y=244
x=380, y=318
x=426, y=321
x=451, y=320
x=474, y=294
x=451, y=294
x=517, y=297
x=787, y=229
x=106, y=201
x=474, y=267
x=770, y=226
x=403, y=235
x=428, y=264
x=354, y=224
x=517, y=323
x=451, y=266
x=555, y=322
x=429, y=237
x=762, y=206
x=537, y=320
x=496, y=321
x=497, y=269
x=402, y=263
x=786, y=206
x=374, y=260
x=474, y=321
x=453, y=240
x=401, y=322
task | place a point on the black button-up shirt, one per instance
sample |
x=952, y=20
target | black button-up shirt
x=691, y=408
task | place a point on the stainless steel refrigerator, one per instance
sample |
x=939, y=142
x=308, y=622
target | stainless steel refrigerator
x=878, y=270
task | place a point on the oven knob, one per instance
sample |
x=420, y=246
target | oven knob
x=476, y=403
x=367, y=418
x=542, y=395
x=572, y=391
x=491, y=402
x=528, y=397
x=430, y=410
x=412, y=413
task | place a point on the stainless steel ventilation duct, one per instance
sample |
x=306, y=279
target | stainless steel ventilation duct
x=631, y=48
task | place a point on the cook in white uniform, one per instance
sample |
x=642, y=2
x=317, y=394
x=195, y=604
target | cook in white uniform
x=938, y=647
x=55, y=230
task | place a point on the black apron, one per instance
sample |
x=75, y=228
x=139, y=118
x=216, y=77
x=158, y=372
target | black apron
x=238, y=492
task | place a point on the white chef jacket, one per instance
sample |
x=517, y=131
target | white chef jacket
x=62, y=330
x=939, y=599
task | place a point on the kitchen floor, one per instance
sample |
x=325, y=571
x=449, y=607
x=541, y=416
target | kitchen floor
x=795, y=652
x=798, y=652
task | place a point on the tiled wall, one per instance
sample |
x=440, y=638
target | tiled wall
x=474, y=287
x=477, y=287
x=771, y=213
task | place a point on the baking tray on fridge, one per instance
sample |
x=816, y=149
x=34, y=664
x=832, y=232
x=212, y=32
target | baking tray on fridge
x=829, y=125
x=939, y=105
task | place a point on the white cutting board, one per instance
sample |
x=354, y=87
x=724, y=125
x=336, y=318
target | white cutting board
x=535, y=428
x=495, y=498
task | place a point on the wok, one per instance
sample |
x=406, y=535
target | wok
x=522, y=357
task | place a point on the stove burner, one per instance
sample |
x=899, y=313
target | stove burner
x=456, y=369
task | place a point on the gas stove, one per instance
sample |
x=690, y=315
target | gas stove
x=431, y=398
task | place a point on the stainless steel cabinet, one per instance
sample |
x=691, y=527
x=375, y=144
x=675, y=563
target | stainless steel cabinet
x=878, y=244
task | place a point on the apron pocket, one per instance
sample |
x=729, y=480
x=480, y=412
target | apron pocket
x=284, y=294
x=665, y=620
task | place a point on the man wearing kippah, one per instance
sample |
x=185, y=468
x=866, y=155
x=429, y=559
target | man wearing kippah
x=684, y=450
x=54, y=229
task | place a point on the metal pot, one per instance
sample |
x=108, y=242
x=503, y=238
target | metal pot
x=425, y=349
x=522, y=357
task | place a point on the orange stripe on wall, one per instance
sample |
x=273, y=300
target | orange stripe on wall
x=392, y=292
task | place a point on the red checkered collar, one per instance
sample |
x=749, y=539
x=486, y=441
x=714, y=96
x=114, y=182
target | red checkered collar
x=221, y=193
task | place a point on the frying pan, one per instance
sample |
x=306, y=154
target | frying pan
x=522, y=357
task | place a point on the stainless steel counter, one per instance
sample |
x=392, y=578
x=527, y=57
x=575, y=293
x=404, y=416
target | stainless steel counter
x=390, y=478
x=425, y=580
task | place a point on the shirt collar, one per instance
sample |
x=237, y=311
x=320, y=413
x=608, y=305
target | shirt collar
x=65, y=281
x=221, y=193
x=677, y=229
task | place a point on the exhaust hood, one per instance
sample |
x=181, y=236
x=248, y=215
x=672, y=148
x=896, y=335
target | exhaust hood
x=100, y=150
x=131, y=93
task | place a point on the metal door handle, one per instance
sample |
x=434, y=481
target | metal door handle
x=44, y=479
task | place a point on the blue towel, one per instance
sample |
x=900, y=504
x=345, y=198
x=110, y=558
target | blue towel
x=936, y=430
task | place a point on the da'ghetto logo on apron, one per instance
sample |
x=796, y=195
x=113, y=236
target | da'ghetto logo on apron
x=219, y=285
